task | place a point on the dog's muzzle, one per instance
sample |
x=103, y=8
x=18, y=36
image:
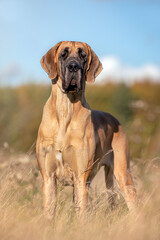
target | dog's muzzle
x=73, y=77
x=73, y=67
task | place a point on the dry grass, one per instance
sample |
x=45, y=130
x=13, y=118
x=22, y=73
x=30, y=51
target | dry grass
x=21, y=214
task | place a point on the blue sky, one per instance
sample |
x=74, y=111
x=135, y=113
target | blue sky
x=129, y=30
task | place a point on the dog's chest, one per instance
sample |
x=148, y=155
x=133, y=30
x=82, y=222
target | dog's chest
x=69, y=142
x=64, y=153
x=64, y=171
x=64, y=156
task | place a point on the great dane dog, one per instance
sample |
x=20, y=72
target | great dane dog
x=73, y=140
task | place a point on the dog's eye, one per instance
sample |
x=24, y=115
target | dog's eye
x=64, y=53
x=82, y=55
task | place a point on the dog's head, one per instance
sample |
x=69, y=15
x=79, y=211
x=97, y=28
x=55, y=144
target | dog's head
x=73, y=62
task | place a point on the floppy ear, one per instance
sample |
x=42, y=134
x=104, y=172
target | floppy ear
x=94, y=66
x=48, y=62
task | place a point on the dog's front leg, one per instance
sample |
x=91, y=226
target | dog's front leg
x=49, y=196
x=80, y=195
x=47, y=165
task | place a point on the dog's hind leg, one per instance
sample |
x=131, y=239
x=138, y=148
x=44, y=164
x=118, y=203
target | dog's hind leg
x=108, y=171
x=121, y=168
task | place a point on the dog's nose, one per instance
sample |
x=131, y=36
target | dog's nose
x=73, y=67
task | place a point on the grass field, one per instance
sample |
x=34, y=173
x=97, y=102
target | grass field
x=21, y=213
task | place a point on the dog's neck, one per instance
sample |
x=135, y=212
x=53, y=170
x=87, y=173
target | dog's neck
x=67, y=107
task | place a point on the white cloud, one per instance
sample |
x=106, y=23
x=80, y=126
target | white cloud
x=9, y=74
x=115, y=71
x=9, y=70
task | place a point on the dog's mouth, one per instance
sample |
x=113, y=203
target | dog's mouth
x=72, y=76
x=73, y=87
